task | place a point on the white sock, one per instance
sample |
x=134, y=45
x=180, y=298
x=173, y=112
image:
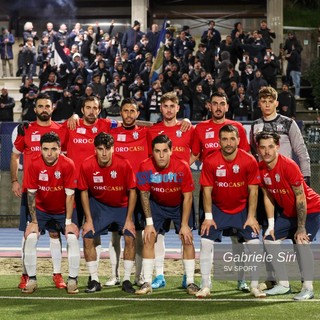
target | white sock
x=206, y=252
x=56, y=255
x=253, y=245
x=98, y=251
x=30, y=254
x=115, y=251
x=307, y=284
x=147, y=265
x=127, y=266
x=93, y=270
x=73, y=255
x=159, y=251
x=189, y=266
x=138, y=258
x=24, y=271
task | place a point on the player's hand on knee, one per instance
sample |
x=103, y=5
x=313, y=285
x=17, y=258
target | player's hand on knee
x=206, y=225
x=87, y=227
x=72, y=228
x=186, y=235
x=32, y=227
x=149, y=233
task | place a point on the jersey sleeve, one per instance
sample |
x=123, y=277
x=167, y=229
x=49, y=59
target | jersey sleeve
x=131, y=178
x=70, y=175
x=83, y=183
x=187, y=182
x=207, y=174
x=195, y=142
x=243, y=144
x=31, y=177
x=143, y=178
x=254, y=173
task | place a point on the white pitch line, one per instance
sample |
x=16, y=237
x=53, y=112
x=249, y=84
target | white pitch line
x=158, y=299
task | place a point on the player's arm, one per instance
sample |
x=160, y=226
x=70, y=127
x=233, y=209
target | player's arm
x=32, y=227
x=129, y=224
x=185, y=124
x=14, y=165
x=143, y=123
x=145, y=202
x=301, y=207
x=193, y=158
x=207, y=206
x=88, y=225
x=70, y=226
x=252, y=209
x=185, y=230
x=73, y=121
x=269, y=207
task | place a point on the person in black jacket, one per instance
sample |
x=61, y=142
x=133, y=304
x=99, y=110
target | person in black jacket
x=287, y=102
x=6, y=106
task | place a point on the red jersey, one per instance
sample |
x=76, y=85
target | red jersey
x=167, y=185
x=79, y=143
x=131, y=144
x=108, y=185
x=206, y=137
x=51, y=182
x=230, y=180
x=278, y=182
x=181, y=141
x=29, y=144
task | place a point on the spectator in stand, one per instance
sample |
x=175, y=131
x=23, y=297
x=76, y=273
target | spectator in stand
x=43, y=56
x=52, y=88
x=169, y=41
x=98, y=88
x=230, y=46
x=29, y=58
x=65, y=106
x=222, y=66
x=27, y=34
x=294, y=69
x=247, y=75
x=153, y=37
x=240, y=105
x=206, y=57
x=28, y=105
x=287, y=102
x=62, y=33
x=153, y=101
x=183, y=43
x=168, y=60
x=211, y=37
x=63, y=76
x=253, y=92
x=292, y=40
x=131, y=37
x=49, y=32
x=27, y=87
x=141, y=101
x=6, y=43
x=145, y=73
x=6, y=106
x=237, y=32
x=20, y=61
x=137, y=85
x=199, y=110
x=208, y=85
x=187, y=95
x=255, y=46
x=143, y=44
x=136, y=57
x=266, y=33
x=269, y=68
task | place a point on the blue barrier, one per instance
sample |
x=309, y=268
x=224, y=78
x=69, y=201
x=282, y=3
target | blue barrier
x=6, y=129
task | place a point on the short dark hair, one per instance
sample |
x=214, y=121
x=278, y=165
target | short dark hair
x=50, y=137
x=91, y=98
x=219, y=94
x=129, y=101
x=104, y=139
x=267, y=135
x=229, y=128
x=43, y=96
x=162, y=138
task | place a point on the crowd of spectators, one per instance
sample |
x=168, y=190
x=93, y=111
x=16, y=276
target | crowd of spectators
x=115, y=65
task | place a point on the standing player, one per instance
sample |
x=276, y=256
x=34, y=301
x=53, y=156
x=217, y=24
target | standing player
x=78, y=142
x=206, y=141
x=28, y=144
x=230, y=171
x=111, y=182
x=181, y=149
x=129, y=142
x=50, y=181
x=166, y=186
x=300, y=213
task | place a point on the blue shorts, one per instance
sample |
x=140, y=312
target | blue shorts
x=103, y=216
x=162, y=215
x=285, y=227
x=53, y=222
x=226, y=221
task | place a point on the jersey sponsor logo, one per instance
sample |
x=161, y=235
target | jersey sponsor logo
x=135, y=135
x=221, y=172
x=237, y=184
x=43, y=176
x=35, y=136
x=210, y=135
x=57, y=174
x=82, y=140
x=98, y=179
x=277, y=177
x=121, y=137
x=267, y=180
x=144, y=177
x=161, y=132
x=35, y=149
x=94, y=130
x=165, y=190
x=208, y=129
x=113, y=174
x=178, y=149
x=179, y=133
x=236, y=168
x=81, y=130
x=51, y=189
x=129, y=149
x=108, y=188
x=212, y=145
x=278, y=191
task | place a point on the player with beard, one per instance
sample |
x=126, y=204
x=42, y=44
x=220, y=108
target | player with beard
x=28, y=144
x=206, y=141
x=79, y=143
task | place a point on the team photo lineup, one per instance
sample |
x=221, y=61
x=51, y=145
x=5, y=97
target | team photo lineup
x=90, y=176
